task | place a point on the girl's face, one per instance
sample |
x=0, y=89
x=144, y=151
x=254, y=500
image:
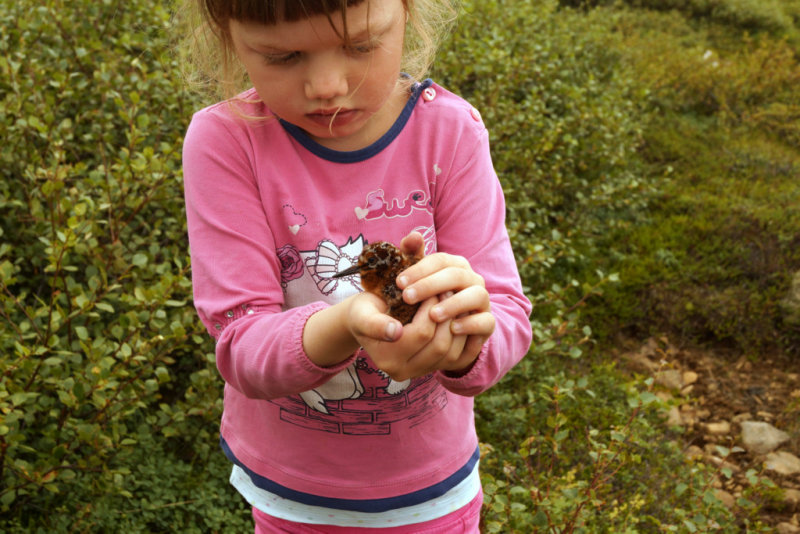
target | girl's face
x=343, y=96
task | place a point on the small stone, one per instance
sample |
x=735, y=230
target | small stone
x=640, y=362
x=689, y=377
x=760, y=438
x=693, y=452
x=720, y=428
x=783, y=463
x=787, y=528
x=664, y=396
x=791, y=498
x=722, y=464
x=739, y=417
x=725, y=498
x=674, y=417
x=670, y=379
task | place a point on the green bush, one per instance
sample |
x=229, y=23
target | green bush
x=568, y=445
x=716, y=253
x=108, y=382
x=776, y=17
x=563, y=124
x=109, y=394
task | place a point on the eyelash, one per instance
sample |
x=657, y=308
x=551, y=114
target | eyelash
x=353, y=50
x=283, y=59
x=362, y=48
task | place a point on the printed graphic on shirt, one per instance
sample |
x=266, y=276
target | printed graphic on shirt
x=360, y=399
x=294, y=220
x=377, y=205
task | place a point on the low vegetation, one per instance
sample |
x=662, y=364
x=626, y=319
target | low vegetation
x=649, y=152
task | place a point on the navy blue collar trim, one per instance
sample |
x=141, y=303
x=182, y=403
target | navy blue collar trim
x=367, y=152
x=359, y=505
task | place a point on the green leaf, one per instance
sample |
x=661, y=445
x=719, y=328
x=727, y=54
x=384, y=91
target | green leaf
x=104, y=306
x=82, y=332
x=139, y=260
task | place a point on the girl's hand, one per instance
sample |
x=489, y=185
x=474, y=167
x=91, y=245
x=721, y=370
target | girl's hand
x=464, y=303
x=422, y=347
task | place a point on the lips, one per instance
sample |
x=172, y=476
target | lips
x=332, y=118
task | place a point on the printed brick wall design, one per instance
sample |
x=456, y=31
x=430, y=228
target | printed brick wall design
x=374, y=411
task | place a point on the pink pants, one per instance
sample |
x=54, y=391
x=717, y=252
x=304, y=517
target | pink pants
x=462, y=521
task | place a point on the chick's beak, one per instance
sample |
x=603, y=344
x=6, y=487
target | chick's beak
x=347, y=272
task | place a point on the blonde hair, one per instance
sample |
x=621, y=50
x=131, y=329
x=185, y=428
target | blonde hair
x=210, y=64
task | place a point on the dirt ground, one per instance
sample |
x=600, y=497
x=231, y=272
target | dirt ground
x=727, y=389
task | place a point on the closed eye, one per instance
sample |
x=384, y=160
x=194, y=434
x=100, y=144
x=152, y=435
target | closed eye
x=362, y=47
x=281, y=59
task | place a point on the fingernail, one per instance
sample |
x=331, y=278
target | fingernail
x=456, y=328
x=391, y=328
x=438, y=313
x=411, y=295
x=402, y=281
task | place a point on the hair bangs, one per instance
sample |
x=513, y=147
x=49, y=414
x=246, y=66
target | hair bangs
x=273, y=11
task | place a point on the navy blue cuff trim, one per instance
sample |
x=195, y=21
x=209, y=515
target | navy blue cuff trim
x=365, y=153
x=359, y=505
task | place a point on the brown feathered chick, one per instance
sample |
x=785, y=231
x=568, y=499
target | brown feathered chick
x=378, y=265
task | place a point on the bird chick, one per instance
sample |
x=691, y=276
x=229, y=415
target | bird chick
x=378, y=265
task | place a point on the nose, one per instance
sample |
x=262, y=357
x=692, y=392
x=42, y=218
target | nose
x=326, y=79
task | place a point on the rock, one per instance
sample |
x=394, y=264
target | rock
x=765, y=416
x=721, y=428
x=791, y=498
x=787, y=528
x=640, y=363
x=726, y=498
x=783, y=463
x=674, y=417
x=723, y=464
x=703, y=414
x=790, y=304
x=670, y=379
x=760, y=438
x=689, y=377
x=739, y=417
x=693, y=452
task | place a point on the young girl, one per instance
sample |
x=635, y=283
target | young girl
x=338, y=418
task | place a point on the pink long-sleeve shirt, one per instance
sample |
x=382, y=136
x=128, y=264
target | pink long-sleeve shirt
x=271, y=216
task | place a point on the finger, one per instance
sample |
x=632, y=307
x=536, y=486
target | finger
x=413, y=244
x=429, y=265
x=471, y=351
x=472, y=299
x=476, y=324
x=368, y=319
x=442, y=350
x=421, y=328
x=449, y=279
